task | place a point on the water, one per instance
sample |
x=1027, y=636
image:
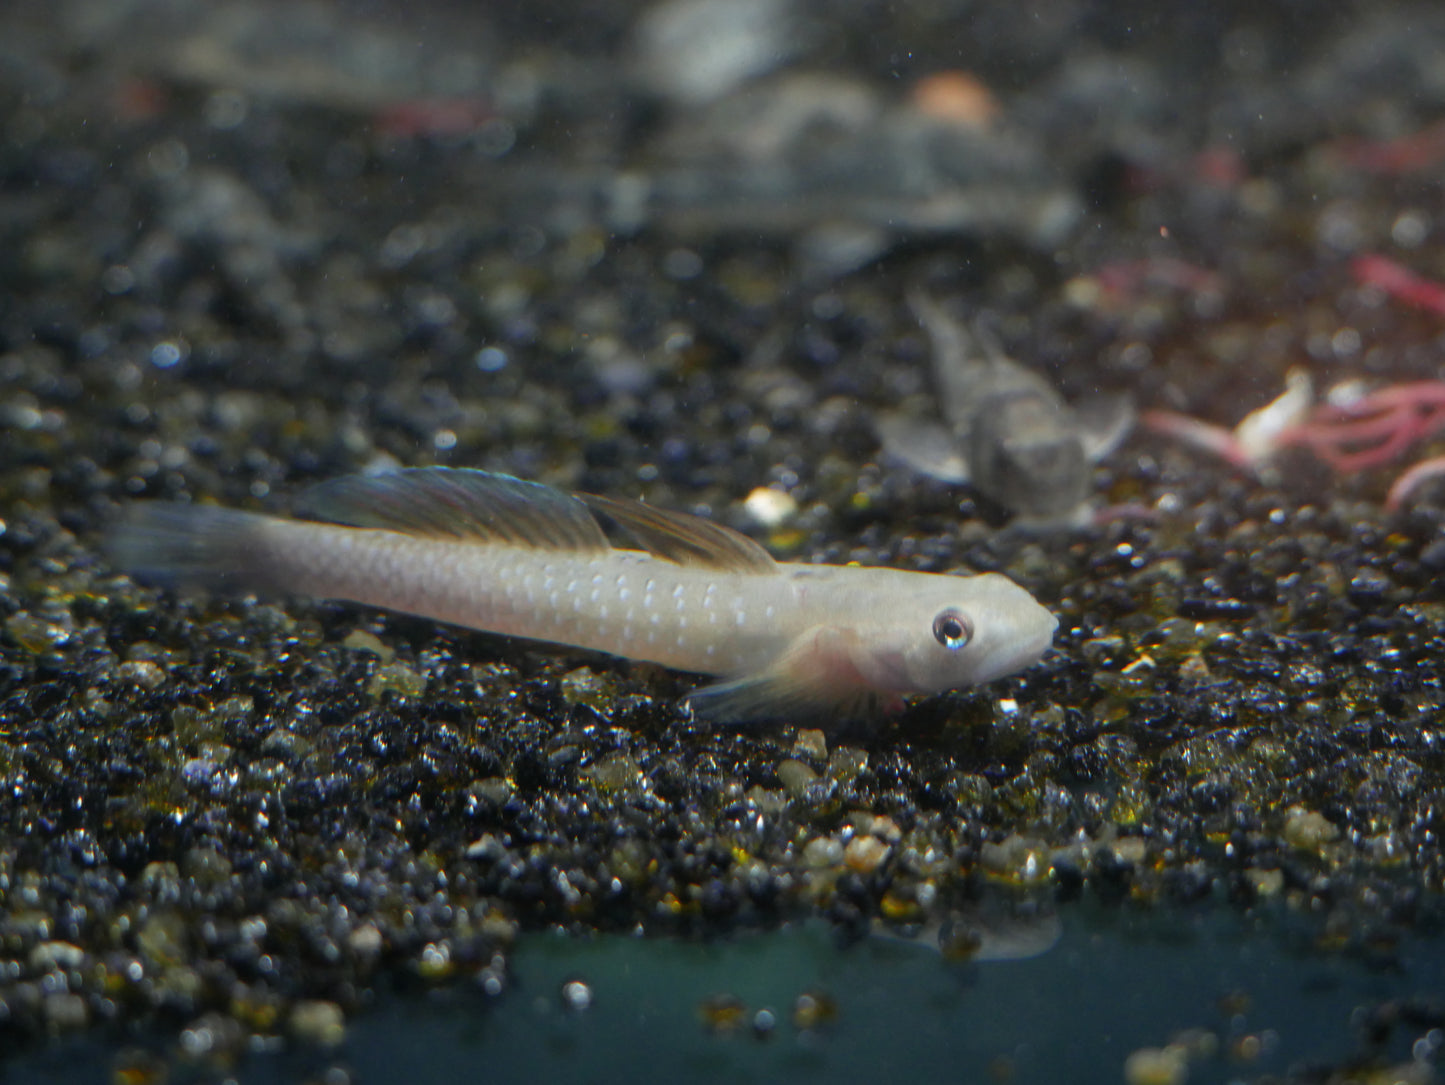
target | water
x=1113, y=983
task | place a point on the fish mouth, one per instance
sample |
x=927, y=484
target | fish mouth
x=1015, y=656
x=1033, y=651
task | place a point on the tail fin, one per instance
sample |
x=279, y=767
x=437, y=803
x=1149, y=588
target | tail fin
x=189, y=546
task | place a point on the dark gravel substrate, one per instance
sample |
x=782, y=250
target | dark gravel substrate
x=226, y=290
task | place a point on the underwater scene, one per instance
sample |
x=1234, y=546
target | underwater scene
x=722, y=540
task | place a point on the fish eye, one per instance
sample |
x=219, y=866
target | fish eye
x=952, y=629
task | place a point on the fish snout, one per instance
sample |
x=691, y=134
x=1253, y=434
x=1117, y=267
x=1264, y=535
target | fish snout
x=1018, y=638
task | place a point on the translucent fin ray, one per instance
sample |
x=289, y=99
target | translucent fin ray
x=681, y=538
x=927, y=447
x=173, y=545
x=458, y=503
x=815, y=679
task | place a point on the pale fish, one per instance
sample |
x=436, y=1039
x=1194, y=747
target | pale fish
x=1009, y=434
x=495, y=553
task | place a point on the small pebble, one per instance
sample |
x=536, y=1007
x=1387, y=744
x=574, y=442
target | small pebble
x=576, y=996
x=51, y=955
x=360, y=640
x=66, y=1012
x=1156, y=1066
x=1267, y=883
x=318, y=1022
x=795, y=776
x=822, y=852
x=398, y=679
x=814, y=1009
x=764, y=1022
x=137, y=1066
x=769, y=507
x=213, y=1036
x=811, y=744
x=142, y=673
x=864, y=854
x=1130, y=849
x=722, y=1013
x=1308, y=830
x=616, y=772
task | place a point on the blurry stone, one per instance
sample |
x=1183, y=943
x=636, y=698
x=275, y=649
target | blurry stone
x=318, y=1022
x=958, y=97
x=359, y=640
x=795, y=776
x=811, y=743
x=66, y=1012
x=697, y=50
x=1308, y=830
x=864, y=854
x=616, y=772
x=1156, y=1066
x=770, y=507
x=722, y=1013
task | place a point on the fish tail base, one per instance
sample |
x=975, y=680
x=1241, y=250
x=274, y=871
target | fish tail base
x=173, y=545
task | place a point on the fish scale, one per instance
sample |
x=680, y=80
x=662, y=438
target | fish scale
x=497, y=554
x=623, y=602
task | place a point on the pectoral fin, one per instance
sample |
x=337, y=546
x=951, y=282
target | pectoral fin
x=927, y=447
x=1104, y=422
x=816, y=677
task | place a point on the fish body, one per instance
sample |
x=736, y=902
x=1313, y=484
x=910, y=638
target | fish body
x=1009, y=433
x=497, y=554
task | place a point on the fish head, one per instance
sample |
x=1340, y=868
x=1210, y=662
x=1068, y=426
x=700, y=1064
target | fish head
x=960, y=631
x=1028, y=456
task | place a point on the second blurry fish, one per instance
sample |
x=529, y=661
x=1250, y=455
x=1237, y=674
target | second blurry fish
x=1009, y=434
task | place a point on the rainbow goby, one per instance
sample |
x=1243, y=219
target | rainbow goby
x=495, y=553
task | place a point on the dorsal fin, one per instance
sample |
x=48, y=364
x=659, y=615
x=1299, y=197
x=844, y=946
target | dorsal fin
x=460, y=503
x=681, y=538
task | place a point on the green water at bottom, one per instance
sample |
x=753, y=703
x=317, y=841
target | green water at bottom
x=1113, y=983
